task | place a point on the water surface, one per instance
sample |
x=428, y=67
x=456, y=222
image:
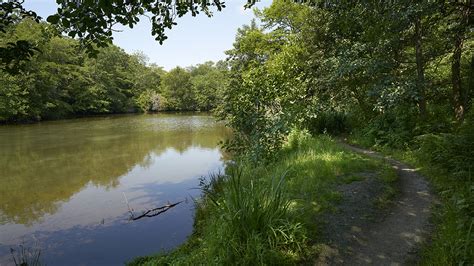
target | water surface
x=62, y=185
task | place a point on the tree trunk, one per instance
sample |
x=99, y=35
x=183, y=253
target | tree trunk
x=459, y=94
x=470, y=88
x=458, y=103
x=420, y=68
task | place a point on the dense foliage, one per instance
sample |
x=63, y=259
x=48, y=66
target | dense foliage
x=407, y=68
x=60, y=80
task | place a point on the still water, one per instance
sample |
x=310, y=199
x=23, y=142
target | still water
x=62, y=185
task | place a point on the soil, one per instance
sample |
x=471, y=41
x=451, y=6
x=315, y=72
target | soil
x=359, y=233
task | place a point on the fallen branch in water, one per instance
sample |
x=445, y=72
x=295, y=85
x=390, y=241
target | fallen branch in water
x=155, y=211
x=151, y=212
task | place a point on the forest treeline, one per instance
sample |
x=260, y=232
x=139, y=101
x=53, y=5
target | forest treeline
x=60, y=80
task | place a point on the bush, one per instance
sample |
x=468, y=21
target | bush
x=333, y=123
x=297, y=137
x=453, y=152
x=259, y=139
x=394, y=128
x=451, y=159
x=151, y=101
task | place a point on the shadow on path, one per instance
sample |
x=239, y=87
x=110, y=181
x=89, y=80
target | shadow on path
x=396, y=239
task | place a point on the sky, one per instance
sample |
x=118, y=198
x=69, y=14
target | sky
x=193, y=41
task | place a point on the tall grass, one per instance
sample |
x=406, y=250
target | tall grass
x=262, y=210
x=254, y=218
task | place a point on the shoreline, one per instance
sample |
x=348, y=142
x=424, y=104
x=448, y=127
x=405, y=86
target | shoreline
x=33, y=122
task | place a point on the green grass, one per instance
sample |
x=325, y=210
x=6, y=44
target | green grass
x=268, y=214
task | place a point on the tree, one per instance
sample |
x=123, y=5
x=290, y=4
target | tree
x=209, y=82
x=178, y=91
x=147, y=81
x=14, y=102
x=253, y=99
x=462, y=24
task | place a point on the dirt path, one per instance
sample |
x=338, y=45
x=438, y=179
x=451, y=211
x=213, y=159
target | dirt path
x=392, y=238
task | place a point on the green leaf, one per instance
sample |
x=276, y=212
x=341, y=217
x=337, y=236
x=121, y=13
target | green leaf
x=65, y=22
x=53, y=19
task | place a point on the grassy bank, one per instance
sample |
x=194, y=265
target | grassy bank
x=447, y=161
x=269, y=214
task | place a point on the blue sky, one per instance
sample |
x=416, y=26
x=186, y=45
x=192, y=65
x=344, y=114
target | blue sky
x=194, y=40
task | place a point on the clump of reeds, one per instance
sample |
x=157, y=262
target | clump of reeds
x=26, y=256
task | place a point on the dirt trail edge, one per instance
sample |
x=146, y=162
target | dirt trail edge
x=396, y=239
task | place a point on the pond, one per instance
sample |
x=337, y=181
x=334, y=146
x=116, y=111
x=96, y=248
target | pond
x=64, y=185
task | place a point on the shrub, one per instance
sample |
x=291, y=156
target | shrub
x=451, y=157
x=297, y=137
x=333, y=123
x=394, y=128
